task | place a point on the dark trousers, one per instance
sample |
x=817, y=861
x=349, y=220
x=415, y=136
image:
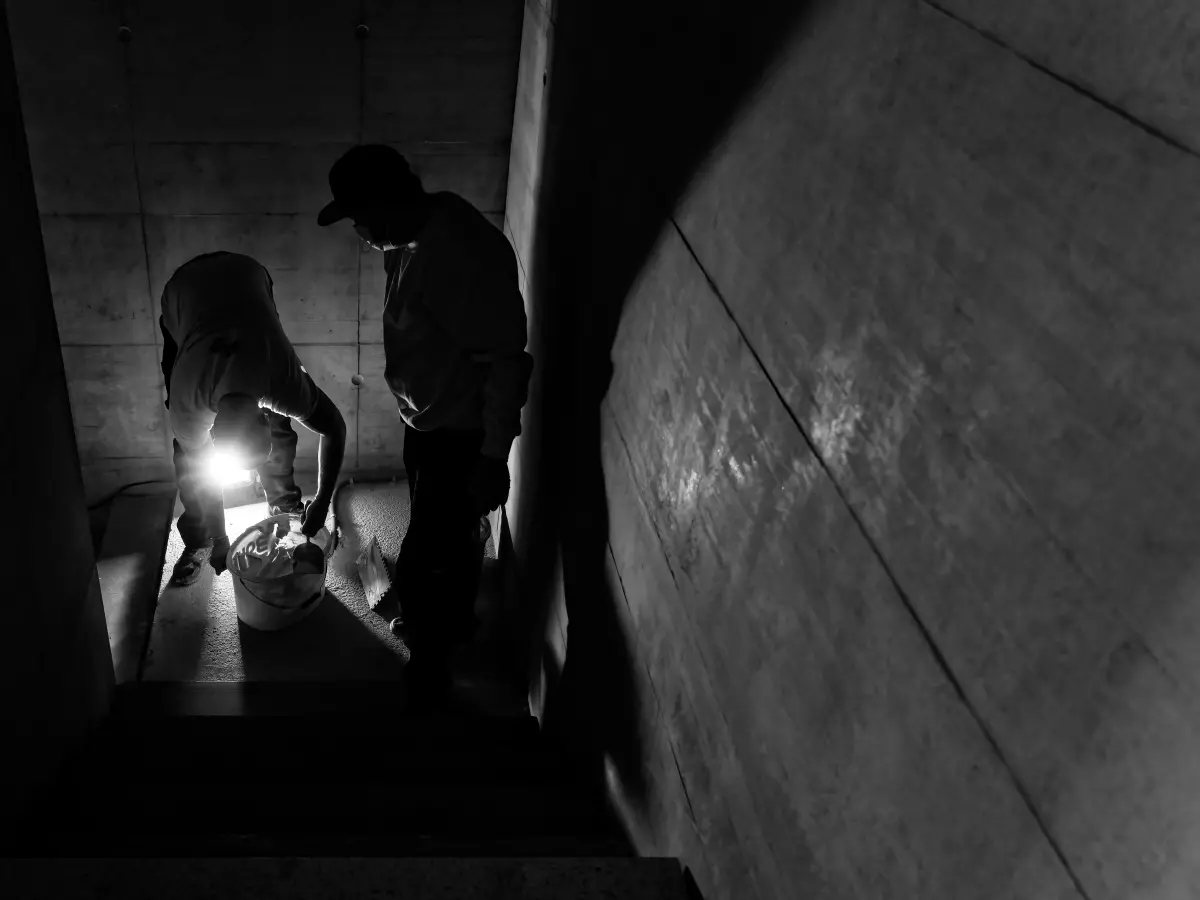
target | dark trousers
x=203, y=519
x=441, y=558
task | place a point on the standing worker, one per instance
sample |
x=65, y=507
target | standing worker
x=454, y=335
x=234, y=383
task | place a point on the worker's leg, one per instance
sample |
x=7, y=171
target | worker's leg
x=276, y=474
x=409, y=563
x=438, y=569
x=412, y=460
x=202, y=525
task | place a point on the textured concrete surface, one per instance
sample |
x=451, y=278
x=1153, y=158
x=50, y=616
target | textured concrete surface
x=128, y=565
x=196, y=635
x=997, y=364
x=914, y=356
x=263, y=71
x=440, y=71
x=797, y=651
x=82, y=176
x=1136, y=54
x=331, y=367
x=76, y=94
x=525, y=159
x=417, y=879
x=98, y=275
x=212, y=132
x=116, y=399
x=234, y=178
x=520, y=227
x=103, y=477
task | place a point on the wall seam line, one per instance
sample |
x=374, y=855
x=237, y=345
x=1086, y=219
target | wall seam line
x=1127, y=116
x=358, y=344
x=926, y=635
x=643, y=509
x=167, y=435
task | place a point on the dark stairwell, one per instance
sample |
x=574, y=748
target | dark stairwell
x=238, y=789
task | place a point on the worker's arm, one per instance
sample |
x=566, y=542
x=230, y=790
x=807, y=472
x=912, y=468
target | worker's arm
x=326, y=421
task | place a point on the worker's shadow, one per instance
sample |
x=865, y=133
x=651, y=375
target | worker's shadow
x=634, y=102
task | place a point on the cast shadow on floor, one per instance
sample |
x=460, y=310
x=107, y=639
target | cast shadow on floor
x=331, y=644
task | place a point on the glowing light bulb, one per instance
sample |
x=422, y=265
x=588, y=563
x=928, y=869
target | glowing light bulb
x=225, y=469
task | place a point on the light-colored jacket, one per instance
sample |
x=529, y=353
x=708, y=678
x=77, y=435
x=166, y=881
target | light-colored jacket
x=219, y=309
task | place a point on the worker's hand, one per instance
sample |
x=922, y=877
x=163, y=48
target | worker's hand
x=219, y=556
x=312, y=519
x=488, y=484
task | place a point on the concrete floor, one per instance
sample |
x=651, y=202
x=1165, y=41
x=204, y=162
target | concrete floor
x=196, y=635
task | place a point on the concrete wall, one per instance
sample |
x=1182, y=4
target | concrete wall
x=213, y=127
x=525, y=195
x=57, y=673
x=897, y=452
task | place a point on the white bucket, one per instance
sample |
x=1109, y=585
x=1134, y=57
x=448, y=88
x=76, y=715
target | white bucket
x=277, y=603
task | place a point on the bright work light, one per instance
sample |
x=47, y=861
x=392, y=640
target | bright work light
x=225, y=469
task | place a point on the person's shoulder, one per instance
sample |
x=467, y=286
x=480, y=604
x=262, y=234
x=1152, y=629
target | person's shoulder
x=461, y=211
x=473, y=225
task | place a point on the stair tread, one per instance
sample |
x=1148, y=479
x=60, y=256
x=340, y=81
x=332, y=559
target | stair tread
x=320, y=877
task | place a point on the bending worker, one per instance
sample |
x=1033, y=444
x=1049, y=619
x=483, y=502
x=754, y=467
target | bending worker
x=454, y=335
x=234, y=383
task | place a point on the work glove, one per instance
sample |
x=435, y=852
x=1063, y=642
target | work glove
x=312, y=519
x=219, y=555
x=488, y=484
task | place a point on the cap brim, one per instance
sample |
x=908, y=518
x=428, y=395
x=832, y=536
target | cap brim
x=331, y=213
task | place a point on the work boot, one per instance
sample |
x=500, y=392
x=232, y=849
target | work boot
x=191, y=562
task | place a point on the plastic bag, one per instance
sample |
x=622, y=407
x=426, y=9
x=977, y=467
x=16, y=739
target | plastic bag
x=271, y=555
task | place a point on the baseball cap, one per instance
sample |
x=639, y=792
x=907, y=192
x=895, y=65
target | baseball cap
x=363, y=177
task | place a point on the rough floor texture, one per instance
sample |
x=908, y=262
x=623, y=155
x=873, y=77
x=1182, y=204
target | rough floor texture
x=196, y=635
x=129, y=566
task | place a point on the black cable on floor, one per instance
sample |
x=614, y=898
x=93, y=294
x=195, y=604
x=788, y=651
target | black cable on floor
x=119, y=491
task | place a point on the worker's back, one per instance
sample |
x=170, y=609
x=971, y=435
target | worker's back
x=220, y=312
x=220, y=293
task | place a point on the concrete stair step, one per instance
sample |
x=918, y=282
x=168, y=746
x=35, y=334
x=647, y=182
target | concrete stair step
x=119, y=843
x=284, y=749
x=305, y=878
x=448, y=808
x=384, y=700
x=246, y=763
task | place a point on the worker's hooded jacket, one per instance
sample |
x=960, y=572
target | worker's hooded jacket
x=454, y=328
x=219, y=311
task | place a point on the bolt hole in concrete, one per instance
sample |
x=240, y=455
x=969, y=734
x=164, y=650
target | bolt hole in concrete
x=196, y=636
